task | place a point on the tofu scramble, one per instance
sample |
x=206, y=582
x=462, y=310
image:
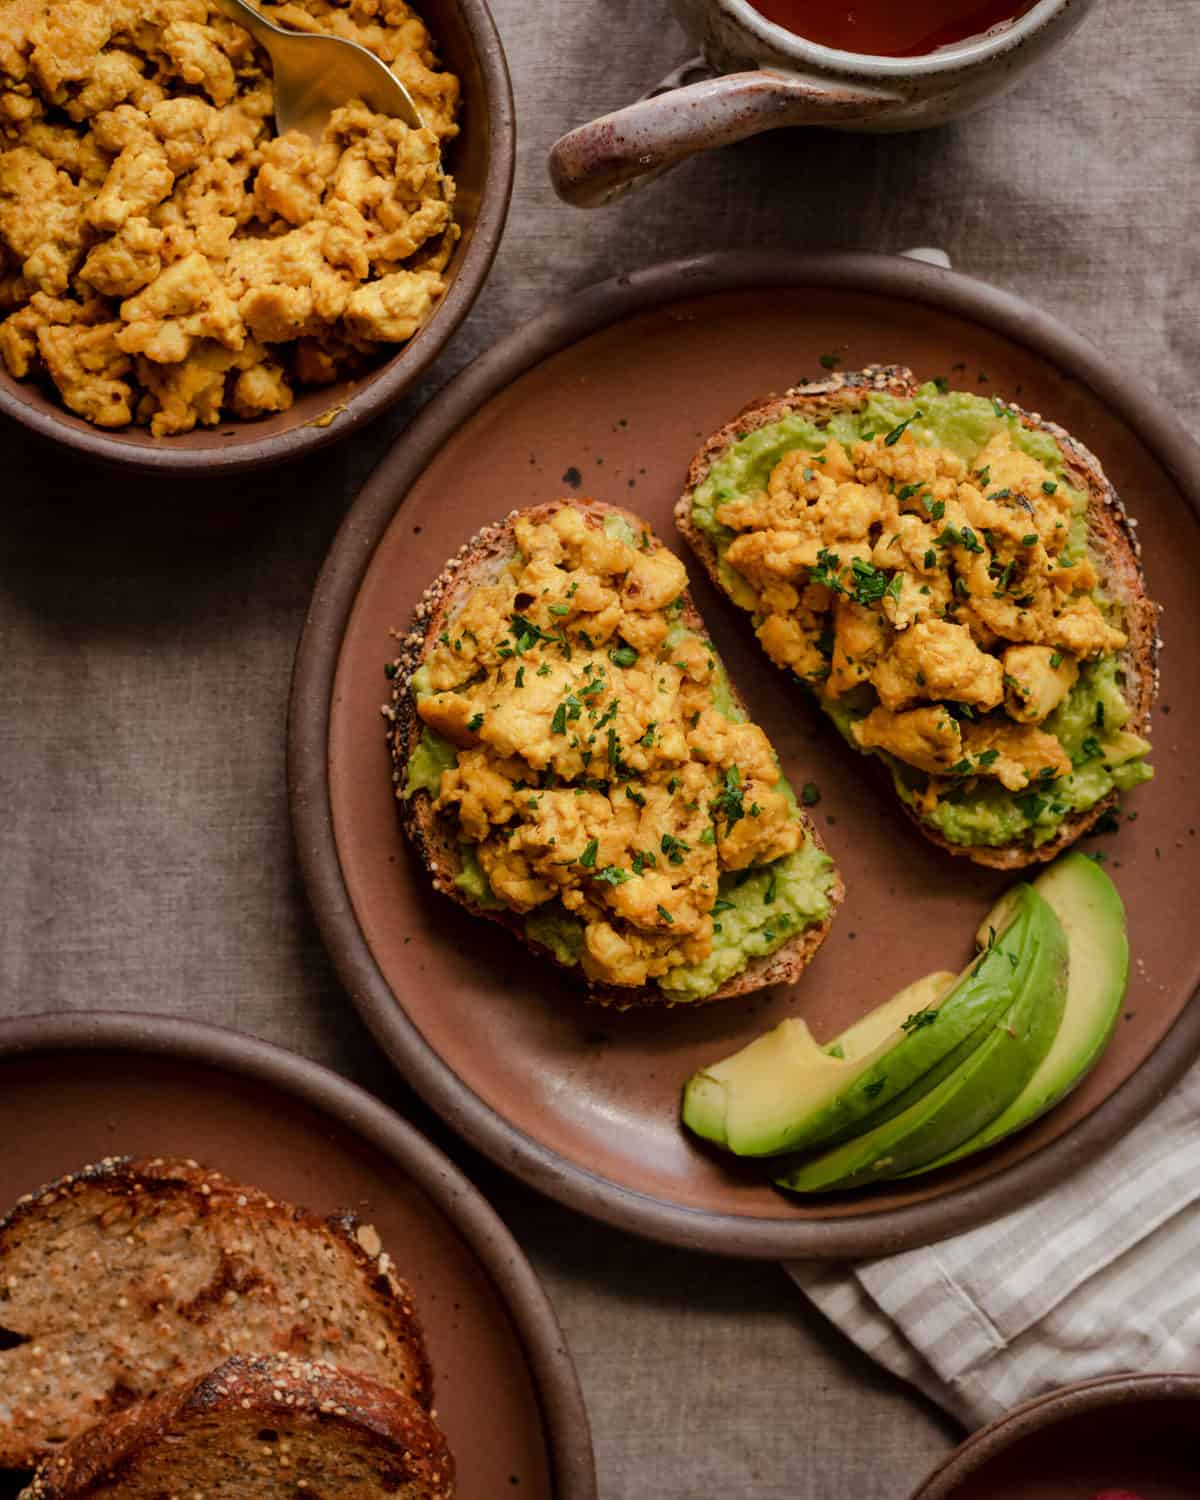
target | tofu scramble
x=602, y=781
x=940, y=600
x=165, y=259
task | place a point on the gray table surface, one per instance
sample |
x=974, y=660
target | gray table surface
x=146, y=641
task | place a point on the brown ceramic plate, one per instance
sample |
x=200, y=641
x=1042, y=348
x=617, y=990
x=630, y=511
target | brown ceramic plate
x=609, y=395
x=75, y=1088
x=1133, y=1433
x=482, y=161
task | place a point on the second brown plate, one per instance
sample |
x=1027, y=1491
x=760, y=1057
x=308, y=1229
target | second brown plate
x=609, y=395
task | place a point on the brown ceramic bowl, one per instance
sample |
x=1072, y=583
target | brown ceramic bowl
x=610, y=394
x=1134, y=1433
x=481, y=160
x=76, y=1088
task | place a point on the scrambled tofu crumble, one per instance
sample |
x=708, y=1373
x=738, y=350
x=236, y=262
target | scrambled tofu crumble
x=165, y=259
x=601, y=771
x=942, y=608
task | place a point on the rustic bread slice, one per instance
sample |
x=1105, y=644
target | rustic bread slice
x=132, y=1276
x=255, y=1429
x=1111, y=539
x=480, y=561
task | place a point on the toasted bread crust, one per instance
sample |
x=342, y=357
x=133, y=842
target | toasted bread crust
x=432, y=836
x=284, y=1396
x=196, y=1198
x=1111, y=536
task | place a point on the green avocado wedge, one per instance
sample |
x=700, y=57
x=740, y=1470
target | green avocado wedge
x=785, y=1084
x=1034, y=948
x=1089, y=907
x=785, y=1092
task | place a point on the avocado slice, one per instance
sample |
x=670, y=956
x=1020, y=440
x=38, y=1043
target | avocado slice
x=785, y=1083
x=1089, y=907
x=1034, y=950
x=785, y=1091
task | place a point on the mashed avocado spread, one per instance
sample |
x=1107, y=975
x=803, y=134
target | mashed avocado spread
x=605, y=785
x=921, y=564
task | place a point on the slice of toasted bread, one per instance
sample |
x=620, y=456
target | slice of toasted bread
x=1111, y=538
x=132, y=1276
x=434, y=837
x=270, y=1428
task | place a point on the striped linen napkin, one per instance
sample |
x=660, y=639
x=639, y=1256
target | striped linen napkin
x=1099, y=1276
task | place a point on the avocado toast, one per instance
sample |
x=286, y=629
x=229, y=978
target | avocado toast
x=957, y=583
x=572, y=762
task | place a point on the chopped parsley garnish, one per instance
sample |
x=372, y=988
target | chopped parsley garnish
x=1098, y=716
x=526, y=633
x=769, y=897
x=474, y=723
x=826, y=570
x=869, y=582
x=709, y=836
x=1091, y=749
x=898, y=431
x=830, y=361
x=931, y=558
x=970, y=541
x=648, y=738
x=810, y=794
x=728, y=800
x=986, y=757
x=559, y=609
x=674, y=848
x=906, y=492
x=643, y=858
x=1049, y=486
x=666, y=915
x=390, y=669
x=998, y=407
x=623, y=656
x=635, y=797
x=588, y=858
x=1029, y=540
x=613, y=875
x=520, y=677
x=720, y=905
x=558, y=724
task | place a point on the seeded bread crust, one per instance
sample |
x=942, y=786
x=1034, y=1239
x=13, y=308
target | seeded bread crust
x=1111, y=537
x=433, y=836
x=133, y=1275
x=257, y=1429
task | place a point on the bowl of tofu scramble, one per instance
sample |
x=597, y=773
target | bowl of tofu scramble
x=181, y=288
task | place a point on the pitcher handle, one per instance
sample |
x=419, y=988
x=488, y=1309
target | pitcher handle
x=598, y=161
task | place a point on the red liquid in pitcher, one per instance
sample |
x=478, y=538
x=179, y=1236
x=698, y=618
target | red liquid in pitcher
x=890, y=28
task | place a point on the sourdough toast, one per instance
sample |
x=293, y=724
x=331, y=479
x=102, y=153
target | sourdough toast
x=257, y=1429
x=434, y=836
x=1112, y=544
x=132, y=1276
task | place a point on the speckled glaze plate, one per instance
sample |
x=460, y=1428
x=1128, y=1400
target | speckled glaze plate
x=1125, y=1433
x=609, y=395
x=76, y=1088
